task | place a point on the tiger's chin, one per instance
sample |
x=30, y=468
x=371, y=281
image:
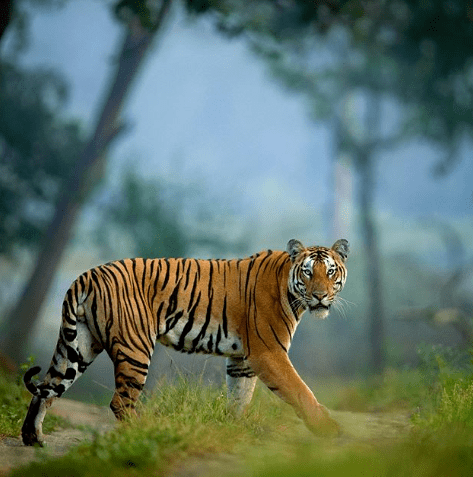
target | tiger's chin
x=319, y=311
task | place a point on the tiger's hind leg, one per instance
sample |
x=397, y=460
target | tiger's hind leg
x=75, y=351
x=241, y=381
x=130, y=378
x=32, y=430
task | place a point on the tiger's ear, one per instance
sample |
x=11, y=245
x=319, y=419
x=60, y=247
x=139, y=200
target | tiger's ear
x=294, y=248
x=342, y=248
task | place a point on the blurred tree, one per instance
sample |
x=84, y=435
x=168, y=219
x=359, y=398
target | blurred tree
x=334, y=86
x=83, y=175
x=6, y=7
x=37, y=148
x=150, y=218
x=140, y=217
x=389, y=27
x=454, y=306
x=428, y=45
x=416, y=51
x=15, y=15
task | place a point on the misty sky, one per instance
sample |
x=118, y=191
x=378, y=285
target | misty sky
x=206, y=107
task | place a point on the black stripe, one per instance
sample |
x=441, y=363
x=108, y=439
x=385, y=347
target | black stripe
x=166, y=277
x=292, y=302
x=144, y=317
x=178, y=269
x=69, y=334
x=143, y=277
x=93, y=310
x=155, y=282
x=72, y=354
x=285, y=320
x=203, y=330
x=217, y=340
x=194, y=286
x=210, y=344
x=158, y=317
x=54, y=373
x=125, y=301
x=188, y=326
x=188, y=271
x=240, y=372
x=173, y=301
x=122, y=357
x=104, y=281
x=82, y=282
x=277, y=339
x=248, y=272
x=224, y=317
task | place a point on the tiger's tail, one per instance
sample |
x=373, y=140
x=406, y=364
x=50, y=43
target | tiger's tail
x=75, y=350
x=27, y=379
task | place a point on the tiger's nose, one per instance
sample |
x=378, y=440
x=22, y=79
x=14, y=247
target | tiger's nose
x=319, y=295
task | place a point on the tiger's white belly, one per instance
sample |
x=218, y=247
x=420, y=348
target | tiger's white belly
x=200, y=338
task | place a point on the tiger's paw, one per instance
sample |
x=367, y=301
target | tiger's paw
x=324, y=425
x=31, y=439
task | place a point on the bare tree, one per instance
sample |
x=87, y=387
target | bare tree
x=88, y=169
x=6, y=7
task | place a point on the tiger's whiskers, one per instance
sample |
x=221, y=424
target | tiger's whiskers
x=342, y=305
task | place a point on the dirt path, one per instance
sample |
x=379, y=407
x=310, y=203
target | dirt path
x=360, y=431
x=365, y=429
x=89, y=417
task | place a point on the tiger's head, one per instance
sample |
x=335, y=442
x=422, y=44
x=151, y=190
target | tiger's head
x=317, y=275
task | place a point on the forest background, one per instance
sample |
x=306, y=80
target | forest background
x=245, y=127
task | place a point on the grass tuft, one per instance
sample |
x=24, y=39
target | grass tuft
x=179, y=420
x=186, y=420
x=14, y=401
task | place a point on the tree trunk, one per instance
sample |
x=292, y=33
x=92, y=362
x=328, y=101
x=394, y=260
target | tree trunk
x=6, y=11
x=365, y=162
x=342, y=181
x=88, y=169
x=365, y=165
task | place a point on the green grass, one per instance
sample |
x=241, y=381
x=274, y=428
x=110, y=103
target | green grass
x=396, y=389
x=187, y=421
x=14, y=401
x=180, y=420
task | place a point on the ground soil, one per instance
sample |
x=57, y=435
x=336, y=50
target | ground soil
x=89, y=419
x=361, y=429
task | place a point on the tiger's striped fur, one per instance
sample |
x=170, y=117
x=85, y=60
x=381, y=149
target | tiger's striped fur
x=246, y=310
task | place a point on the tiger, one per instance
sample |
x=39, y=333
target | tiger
x=245, y=310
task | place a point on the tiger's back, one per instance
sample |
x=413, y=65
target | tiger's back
x=246, y=310
x=194, y=306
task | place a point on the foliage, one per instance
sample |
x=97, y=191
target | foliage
x=394, y=390
x=416, y=51
x=441, y=368
x=138, y=212
x=189, y=420
x=452, y=392
x=37, y=149
x=440, y=441
x=181, y=419
x=15, y=14
x=156, y=218
x=37, y=146
x=14, y=401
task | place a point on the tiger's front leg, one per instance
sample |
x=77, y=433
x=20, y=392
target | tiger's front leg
x=241, y=381
x=276, y=371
